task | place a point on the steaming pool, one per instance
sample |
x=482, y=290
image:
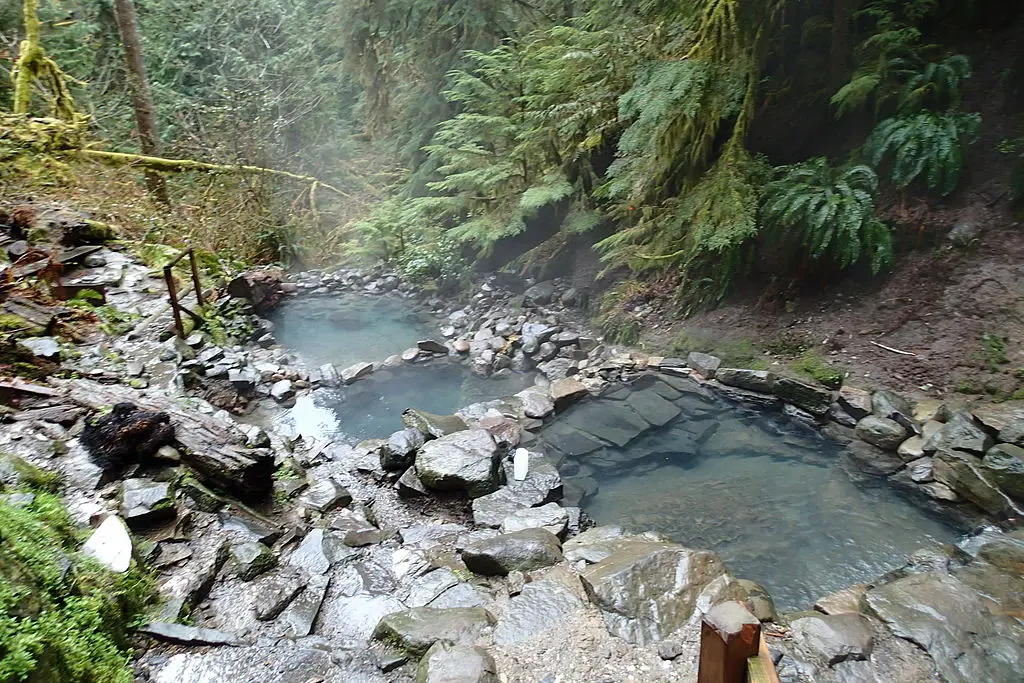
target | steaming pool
x=767, y=493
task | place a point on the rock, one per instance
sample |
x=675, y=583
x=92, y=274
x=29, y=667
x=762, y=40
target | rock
x=669, y=650
x=282, y=391
x=190, y=635
x=356, y=372
x=356, y=530
x=244, y=381
x=752, y=380
x=551, y=517
x=410, y=486
x=760, y=601
x=542, y=485
x=301, y=614
x=1003, y=465
x=313, y=554
x=251, y=559
x=873, y=460
x=1005, y=553
x=325, y=495
x=766, y=401
x=448, y=663
x=920, y=470
x=536, y=402
x=145, y=502
x=431, y=346
x=274, y=593
x=962, y=473
x=705, y=364
x=952, y=623
x=652, y=407
x=1005, y=420
x=46, y=348
x=610, y=421
x=464, y=461
x=434, y=426
x=911, y=449
x=960, y=433
x=410, y=355
x=541, y=606
x=567, y=391
x=461, y=346
x=845, y=601
x=814, y=400
x=546, y=352
x=831, y=639
x=505, y=431
x=110, y=545
x=646, y=590
x=882, y=432
x=415, y=630
x=856, y=402
x=261, y=288
x=398, y=452
x=539, y=295
x=522, y=550
x=885, y=403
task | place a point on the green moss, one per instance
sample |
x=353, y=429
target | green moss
x=13, y=323
x=62, y=616
x=993, y=351
x=33, y=477
x=811, y=364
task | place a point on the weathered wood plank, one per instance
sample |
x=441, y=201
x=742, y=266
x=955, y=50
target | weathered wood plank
x=729, y=636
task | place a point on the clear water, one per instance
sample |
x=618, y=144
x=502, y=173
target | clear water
x=372, y=408
x=769, y=495
x=350, y=329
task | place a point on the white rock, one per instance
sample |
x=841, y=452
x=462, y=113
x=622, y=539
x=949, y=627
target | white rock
x=520, y=464
x=111, y=545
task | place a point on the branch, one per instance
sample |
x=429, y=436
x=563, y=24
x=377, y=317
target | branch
x=181, y=165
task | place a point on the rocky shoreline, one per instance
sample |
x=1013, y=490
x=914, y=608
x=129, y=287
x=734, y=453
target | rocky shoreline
x=422, y=555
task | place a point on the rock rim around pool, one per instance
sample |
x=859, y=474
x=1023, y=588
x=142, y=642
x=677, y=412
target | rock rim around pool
x=415, y=630
x=523, y=551
x=466, y=461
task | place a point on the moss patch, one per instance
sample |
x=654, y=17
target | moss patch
x=811, y=364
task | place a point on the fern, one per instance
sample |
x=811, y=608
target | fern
x=926, y=146
x=831, y=212
x=936, y=85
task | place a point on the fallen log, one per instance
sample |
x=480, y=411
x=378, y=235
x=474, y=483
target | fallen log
x=215, y=450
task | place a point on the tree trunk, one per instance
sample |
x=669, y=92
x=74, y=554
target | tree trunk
x=30, y=52
x=839, y=57
x=138, y=85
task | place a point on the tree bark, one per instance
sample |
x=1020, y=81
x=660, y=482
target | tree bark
x=839, y=56
x=30, y=52
x=142, y=100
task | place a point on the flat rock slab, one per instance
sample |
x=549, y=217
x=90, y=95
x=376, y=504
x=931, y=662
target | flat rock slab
x=110, y=545
x=300, y=616
x=448, y=663
x=284, y=664
x=273, y=593
x=960, y=433
x=325, y=495
x=609, y=421
x=540, y=607
x=1006, y=420
x=551, y=517
x=464, y=461
x=145, y=502
x=814, y=400
x=434, y=426
x=190, y=635
x=415, y=630
x=354, y=618
x=251, y=558
x=654, y=409
x=760, y=381
x=522, y=550
x=952, y=623
x=570, y=440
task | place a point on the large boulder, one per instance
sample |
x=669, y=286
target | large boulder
x=519, y=551
x=885, y=403
x=1005, y=420
x=1003, y=465
x=648, y=589
x=705, y=364
x=953, y=624
x=261, y=288
x=465, y=461
x=962, y=472
x=830, y=639
x=882, y=432
x=540, y=294
x=415, y=630
x=536, y=403
x=398, y=452
x=961, y=433
x=815, y=400
x=448, y=663
x=752, y=380
x=434, y=426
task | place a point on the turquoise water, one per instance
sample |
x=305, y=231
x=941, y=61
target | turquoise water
x=769, y=495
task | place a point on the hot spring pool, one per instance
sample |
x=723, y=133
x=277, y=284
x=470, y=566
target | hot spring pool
x=372, y=408
x=348, y=329
x=766, y=493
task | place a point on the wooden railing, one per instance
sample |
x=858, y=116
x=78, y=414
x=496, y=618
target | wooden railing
x=172, y=291
x=732, y=647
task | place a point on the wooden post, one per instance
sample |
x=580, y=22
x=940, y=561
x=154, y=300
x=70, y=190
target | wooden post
x=195, y=277
x=172, y=294
x=729, y=635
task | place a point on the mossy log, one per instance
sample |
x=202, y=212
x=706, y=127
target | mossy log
x=183, y=165
x=215, y=451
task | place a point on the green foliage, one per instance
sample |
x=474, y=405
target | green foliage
x=993, y=351
x=439, y=264
x=62, y=617
x=829, y=211
x=734, y=353
x=926, y=146
x=811, y=364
